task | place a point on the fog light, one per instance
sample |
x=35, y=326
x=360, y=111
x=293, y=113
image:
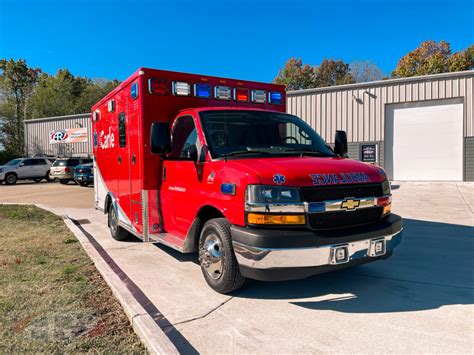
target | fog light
x=339, y=254
x=377, y=247
x=261, y=218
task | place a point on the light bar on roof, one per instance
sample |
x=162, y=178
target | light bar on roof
x=181, y=88
x=241, y=94
x=158, y=86
x=275, y=98
x=202, y=90
x=222, y=92
x=259, y=96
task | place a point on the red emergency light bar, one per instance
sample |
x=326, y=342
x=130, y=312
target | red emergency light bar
x=241, y=95
x=161, y=87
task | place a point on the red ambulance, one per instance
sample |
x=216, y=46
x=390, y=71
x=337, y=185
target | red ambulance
x=216, y=166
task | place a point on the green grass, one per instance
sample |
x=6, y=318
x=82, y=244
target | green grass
x=52, y=298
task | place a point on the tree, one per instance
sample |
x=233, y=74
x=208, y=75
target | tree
x=296, y=76
x=470, y=54
x=364, y=71
x=432, y=58
x=17, y=82
x=65, y=94
x=333, y=72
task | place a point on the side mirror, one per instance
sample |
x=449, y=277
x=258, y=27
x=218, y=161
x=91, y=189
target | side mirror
x=340, y=146
x=160, y=138
x=21, y=164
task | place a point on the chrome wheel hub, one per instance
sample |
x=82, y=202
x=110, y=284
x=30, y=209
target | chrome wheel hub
x=211, y=256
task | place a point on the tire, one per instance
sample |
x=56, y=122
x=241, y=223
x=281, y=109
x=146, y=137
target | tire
x=117, y=232
x=11, y=179
x=64, y=181
x=37, y=180
x=47, y=177
x=217, y=259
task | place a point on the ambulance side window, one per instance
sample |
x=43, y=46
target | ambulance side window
x=122, y=130
x=183, y=137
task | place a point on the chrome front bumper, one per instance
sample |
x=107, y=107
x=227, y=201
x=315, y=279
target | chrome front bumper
x=271, y=258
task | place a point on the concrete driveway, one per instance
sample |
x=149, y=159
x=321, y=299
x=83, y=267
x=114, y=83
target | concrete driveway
x=420, y=300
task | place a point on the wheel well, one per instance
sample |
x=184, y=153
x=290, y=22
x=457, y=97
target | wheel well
x=108, y=202
x=205, y=214
x=11, y=173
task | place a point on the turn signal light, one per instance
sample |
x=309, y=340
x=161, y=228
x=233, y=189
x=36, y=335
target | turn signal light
x=260, y=218
x=386, y=203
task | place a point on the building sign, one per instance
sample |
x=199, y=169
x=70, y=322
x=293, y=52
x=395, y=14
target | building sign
x=369, y=153
x=71, y=135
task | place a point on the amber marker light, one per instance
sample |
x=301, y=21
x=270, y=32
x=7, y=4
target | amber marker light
x=261, y=218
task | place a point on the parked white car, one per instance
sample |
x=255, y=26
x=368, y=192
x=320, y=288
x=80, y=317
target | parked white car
x=35, y=169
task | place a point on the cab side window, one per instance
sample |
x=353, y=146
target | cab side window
x=28, y=162
x=183, y=137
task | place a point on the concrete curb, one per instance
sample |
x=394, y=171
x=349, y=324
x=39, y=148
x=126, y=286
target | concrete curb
x=151, y=335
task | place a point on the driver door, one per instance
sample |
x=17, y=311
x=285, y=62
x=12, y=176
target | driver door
x=181, y=178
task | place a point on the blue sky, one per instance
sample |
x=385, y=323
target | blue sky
x=241, y=39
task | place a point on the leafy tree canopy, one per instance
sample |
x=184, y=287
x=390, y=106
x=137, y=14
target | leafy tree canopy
x=433, y=57
x=295, y=75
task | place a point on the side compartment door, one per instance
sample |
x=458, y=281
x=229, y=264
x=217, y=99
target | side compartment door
x=123, y=173
x=181, y=178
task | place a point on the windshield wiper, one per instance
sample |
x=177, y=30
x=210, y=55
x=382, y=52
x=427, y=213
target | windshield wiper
x=308, y=151
x=247, y=151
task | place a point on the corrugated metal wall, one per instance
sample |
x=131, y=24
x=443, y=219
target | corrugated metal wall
x=359, y=109
x=37, y=133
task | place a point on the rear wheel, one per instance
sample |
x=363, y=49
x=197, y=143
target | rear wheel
x=216, y=256
x=11, y=179
x=47, y=176
x=117, y=232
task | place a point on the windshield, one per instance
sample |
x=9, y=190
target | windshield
x=14, y=162
x=236, y=132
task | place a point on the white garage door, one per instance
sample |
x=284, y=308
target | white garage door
x=424, y=141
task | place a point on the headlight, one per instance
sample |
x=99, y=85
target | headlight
x=274, y=205
x=272, y=194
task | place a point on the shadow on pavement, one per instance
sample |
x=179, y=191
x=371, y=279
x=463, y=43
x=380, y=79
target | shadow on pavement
x=433, y=267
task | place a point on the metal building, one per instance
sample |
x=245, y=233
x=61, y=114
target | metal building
x=61, y=136
x=419, y=128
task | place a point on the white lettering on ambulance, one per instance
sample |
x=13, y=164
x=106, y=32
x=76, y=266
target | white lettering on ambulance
x=107, y=140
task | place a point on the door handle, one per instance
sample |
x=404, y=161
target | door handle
x=134, y=159
x=119, y=159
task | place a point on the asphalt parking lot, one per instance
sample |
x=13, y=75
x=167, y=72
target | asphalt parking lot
x=418, y=301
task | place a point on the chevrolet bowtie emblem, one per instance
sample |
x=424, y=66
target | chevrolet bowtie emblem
x=350, y=204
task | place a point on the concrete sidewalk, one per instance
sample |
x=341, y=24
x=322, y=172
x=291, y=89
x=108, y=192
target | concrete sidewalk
x=420, y=300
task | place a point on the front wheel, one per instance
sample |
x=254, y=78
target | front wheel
x=216, y=256
x=117, y=232
x=11, y=179
x=64, y=181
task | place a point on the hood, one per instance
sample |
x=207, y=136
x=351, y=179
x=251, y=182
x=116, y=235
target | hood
x=309, y=171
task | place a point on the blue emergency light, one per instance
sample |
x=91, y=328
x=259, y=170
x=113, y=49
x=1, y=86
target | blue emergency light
x=202, y=90
x=275, y=98
x=315, y=207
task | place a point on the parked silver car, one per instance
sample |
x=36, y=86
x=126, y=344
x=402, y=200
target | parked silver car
x=63, y=168
x=35, y=169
